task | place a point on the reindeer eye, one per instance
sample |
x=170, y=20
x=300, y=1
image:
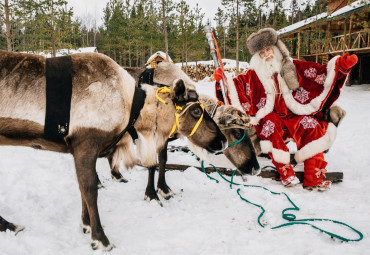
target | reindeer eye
x=197, y=112
x=238, y=134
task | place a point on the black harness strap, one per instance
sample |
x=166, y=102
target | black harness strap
x=137, y=105
x=58, y=96
x=147, y=76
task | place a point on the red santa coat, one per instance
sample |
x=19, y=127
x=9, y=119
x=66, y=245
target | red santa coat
x=291, y=114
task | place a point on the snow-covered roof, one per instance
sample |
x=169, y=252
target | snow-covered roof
x=86, y=49
x=350, y=8
x=302, y=23
x=347, y=9
x=158, y=53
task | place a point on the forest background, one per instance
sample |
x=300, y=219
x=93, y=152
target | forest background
x=131, y=31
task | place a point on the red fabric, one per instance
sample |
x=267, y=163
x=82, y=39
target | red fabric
x=312, y=175
x=276, y=125
x=284, y=170
x=250, y=90
x=346, y=62
x=219, y=94
x=218, y=74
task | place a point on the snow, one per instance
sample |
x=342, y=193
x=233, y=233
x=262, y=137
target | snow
x=65, y=52
x=160, y=53
x=39, y=190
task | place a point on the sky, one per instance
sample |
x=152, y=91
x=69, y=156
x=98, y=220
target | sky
x=94, y=8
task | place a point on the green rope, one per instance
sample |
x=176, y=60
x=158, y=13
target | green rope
x=287, y=216
x=241, y=139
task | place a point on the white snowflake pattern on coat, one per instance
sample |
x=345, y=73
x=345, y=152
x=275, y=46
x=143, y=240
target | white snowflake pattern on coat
x=302, y=95
x=320, y=79
x=310, y=72
x=262, y=103
x=247, y=89
x=268, y=128
x=246, y=106
x=308, y=122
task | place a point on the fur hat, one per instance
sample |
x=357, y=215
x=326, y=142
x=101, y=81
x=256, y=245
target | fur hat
x=269, y=37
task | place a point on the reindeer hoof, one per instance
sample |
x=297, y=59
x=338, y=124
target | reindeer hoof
x=86, y=229
x=5, y=225
x=166, y=195
x=98, y=245
x=18, y=229
x=147, y=198
x=118, y=177
x=122, y=179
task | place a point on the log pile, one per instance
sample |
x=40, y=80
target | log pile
x=201, y=71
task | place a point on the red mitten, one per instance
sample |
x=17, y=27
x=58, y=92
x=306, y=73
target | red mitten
x=346, y=62
x=218, y=74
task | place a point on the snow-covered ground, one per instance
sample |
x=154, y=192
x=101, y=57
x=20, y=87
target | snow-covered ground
x=38, y=189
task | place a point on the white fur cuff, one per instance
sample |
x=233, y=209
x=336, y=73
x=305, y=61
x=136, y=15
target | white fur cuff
x=317, y=146
x=280, y=156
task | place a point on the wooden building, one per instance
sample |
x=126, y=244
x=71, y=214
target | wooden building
x=342, y=28
x=156, y=58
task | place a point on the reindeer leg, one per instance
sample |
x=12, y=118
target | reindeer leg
x=85, y=217
x=100, y=185
x=162, y=186
x=5, y=225
x=116, y=175
x=150, y=193
x=85, y=157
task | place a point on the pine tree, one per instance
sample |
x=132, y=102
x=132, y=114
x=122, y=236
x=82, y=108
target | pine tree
x=165, y=27
x=221, y=19
x=234, y=8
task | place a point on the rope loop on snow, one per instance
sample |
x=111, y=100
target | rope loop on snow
x=285, y=215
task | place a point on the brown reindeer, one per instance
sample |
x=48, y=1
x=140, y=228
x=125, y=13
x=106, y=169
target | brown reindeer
x=234, y=123
x=102, y=96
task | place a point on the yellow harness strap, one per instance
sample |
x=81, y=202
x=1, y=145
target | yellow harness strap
x=179, y=111
x=199, y=121
x=178, y=114
x=162, y=90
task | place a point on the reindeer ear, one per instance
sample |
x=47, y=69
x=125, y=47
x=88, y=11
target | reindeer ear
x=192, y=95
x=179, y=90
x=226, y=119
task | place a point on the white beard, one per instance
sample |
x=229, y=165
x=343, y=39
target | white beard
x=270, y=67
x=266, y=69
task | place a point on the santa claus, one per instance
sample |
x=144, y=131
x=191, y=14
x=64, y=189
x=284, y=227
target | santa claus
x=286, y=99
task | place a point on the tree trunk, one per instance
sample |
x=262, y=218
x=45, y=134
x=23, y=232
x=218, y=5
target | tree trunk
x=7, y=23
x=165, y=29
x=186, y=47
x=129, y=52
x=237, y=37
x=53, y=30
x=224, y=43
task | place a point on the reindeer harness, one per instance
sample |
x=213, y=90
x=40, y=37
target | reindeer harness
x=180, y=111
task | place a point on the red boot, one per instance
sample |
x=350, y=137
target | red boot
x=286, y=172
x=314, y=170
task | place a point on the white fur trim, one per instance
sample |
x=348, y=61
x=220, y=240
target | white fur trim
x=267, y=83
x=280, y=156
x=317, y=146
x=233, y=94
x=315, y=103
